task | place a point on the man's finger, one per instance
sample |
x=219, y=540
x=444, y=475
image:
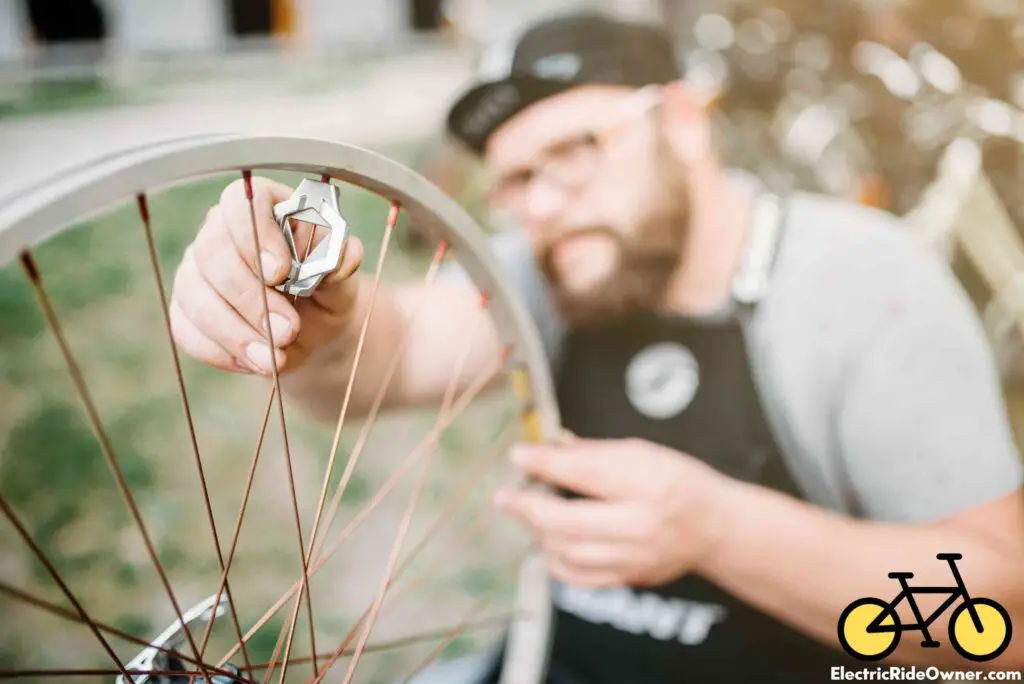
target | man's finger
x=337, y=293
x=588, y=555
x=550, y=514
x=273, y=255
x=217, y=321
x=197, y=345
x=579, y=577
x=222, y=267
x=599, y=468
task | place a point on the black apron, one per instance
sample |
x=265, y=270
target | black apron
x=723, y=425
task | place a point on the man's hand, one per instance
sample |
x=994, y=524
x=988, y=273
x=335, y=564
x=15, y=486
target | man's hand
x=217, y=312
x=654, y=515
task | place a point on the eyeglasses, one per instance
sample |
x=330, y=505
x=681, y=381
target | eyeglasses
x=570, y=163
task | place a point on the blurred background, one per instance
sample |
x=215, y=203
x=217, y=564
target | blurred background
x=913, y=106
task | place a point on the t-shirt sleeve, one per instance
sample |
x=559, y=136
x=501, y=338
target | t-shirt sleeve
x=514, y=256
x=922, y=426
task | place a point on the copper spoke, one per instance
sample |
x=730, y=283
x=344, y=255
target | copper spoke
x=35, y=277
x=66, y=614
x=17, y=674
x=154, y=259
x=469, y=394
x=350, y=466
x=247, y=178
x=252, y=470
x=403, y=528
x=459, y=628
x=41, y=556
x=378, y=401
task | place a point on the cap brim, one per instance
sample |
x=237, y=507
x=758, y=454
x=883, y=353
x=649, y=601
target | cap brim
x=485, y=107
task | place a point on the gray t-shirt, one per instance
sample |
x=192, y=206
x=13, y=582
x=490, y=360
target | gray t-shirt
x=871, y=364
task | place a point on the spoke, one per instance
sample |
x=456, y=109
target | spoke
x=247, y=178
x=41, y=556
x=409, y=586
x=252, y=468
x=154, y=258
x=378, y=401
x=403, y=529
x=478, y=625
x=350, y=466
x=18, y=674
x=469, y=394
x=66, y=614
x=35, y=277
x=468, y=484
x=467, y=619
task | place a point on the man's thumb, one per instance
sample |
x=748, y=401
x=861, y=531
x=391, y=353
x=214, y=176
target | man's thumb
x=337, y=292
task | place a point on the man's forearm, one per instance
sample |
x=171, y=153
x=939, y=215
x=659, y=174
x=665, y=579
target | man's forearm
x=804, y=565
x=319, y=386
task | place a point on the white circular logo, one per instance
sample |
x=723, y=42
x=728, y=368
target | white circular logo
x=662, y=379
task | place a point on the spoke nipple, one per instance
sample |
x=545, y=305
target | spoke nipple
x=393, y=214
x=442, y=249
x=247, y=179
x=143, y=207
x=29, y=264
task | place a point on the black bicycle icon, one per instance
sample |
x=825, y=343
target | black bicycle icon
x=979, y=628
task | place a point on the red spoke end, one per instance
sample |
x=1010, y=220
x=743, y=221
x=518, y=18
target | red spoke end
x=29, y=264
x=506, y=352
x=485, y=299
x=143, y=206
x=442, y=250
x=393, y=214
x=326, y=178
x=247, y=179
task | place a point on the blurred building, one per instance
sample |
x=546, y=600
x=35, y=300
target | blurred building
x=128, y=27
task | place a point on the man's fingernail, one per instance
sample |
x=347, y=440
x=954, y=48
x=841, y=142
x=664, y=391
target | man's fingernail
x=280, y=327
x=502, y=498
x=270, y=264
x=258, y=354
x=519, y=455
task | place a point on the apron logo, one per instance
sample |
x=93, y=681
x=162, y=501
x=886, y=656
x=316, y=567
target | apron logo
x=688, y=622
x=979, y=628
x=662, y=380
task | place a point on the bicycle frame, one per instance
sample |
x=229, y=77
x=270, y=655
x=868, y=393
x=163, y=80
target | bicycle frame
x=908, y=593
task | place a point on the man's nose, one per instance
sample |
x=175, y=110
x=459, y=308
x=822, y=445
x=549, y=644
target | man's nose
x=543, y=202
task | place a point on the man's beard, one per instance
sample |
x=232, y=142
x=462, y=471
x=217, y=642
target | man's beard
x=648, y=258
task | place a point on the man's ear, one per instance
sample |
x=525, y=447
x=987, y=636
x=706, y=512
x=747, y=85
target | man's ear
x=686, y=122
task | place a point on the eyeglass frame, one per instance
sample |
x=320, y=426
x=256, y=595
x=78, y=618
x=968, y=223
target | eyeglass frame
x=590, y=141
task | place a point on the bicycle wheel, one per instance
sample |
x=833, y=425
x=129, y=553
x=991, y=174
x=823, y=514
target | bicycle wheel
x=985, y=643
x=862, y=643
x=195, y=523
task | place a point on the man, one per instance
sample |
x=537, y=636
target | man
x=773, y=405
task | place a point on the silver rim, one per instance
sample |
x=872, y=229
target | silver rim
x=47, y=209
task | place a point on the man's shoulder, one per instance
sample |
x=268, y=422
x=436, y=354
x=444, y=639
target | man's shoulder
x=846, y=262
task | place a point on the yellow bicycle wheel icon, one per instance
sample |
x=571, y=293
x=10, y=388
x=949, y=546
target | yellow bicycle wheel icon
x=869, y=629
x=981, y=636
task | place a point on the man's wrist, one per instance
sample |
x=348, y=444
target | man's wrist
x=728, y=506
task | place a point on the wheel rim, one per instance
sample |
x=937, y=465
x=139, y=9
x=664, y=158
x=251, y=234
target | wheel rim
x=34, y=218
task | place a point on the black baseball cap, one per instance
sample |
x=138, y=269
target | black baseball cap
x=555, y=55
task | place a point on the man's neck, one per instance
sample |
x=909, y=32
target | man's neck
x=719, y=225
